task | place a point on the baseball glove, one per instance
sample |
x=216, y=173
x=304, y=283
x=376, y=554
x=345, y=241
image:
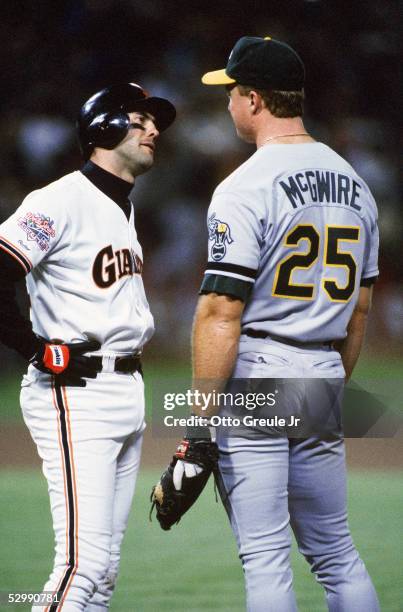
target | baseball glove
x=173, y=496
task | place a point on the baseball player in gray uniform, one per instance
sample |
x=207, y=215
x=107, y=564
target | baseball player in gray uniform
x=83, y=396
x=293, y=246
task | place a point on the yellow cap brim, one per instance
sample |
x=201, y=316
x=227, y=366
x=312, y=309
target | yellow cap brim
x=217, y=77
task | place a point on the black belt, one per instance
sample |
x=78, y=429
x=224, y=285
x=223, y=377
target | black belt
x=127, y=364
x=254, y=333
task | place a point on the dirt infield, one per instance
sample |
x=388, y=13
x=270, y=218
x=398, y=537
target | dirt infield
x=18, y=450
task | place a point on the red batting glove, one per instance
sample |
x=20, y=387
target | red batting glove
x=56, y=357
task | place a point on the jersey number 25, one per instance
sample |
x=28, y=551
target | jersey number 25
x=332, y=256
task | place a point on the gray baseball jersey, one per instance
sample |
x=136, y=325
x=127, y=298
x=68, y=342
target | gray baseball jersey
x=293, y=232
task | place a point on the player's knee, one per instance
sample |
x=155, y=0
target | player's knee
x=94, y=569
x=268, y=564
x=342, y=565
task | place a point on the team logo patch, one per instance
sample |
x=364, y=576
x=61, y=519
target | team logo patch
x=220, y=233
x=38, y=228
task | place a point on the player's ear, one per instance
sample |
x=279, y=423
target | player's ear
x=255, y=101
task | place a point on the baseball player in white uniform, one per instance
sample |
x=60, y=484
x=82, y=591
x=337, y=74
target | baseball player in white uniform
x=82, y=397
x=293, y=246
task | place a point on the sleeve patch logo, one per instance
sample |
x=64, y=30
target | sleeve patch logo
x=220, y=233
x=38, y=228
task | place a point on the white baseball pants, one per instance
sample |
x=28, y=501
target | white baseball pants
x=89, y=440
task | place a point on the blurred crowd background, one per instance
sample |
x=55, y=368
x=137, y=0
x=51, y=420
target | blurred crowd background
x=56, y=54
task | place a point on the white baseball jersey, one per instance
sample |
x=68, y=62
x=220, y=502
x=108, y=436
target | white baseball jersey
x=84, y=263
x=293, y=231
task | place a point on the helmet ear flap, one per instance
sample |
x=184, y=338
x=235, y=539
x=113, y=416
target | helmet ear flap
x=107, y=130
x=103, y=122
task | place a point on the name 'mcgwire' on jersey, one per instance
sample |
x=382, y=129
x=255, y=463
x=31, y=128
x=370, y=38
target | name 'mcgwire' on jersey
x=293, y=232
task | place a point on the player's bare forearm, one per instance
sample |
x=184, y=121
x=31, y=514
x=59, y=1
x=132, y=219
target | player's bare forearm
x=216, y=331
x=350, y=347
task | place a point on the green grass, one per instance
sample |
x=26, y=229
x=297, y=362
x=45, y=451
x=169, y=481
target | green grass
x=9, y=398
x=194, y=567
x=378, y=367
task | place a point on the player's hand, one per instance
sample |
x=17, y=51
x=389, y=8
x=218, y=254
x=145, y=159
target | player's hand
x=184, y=479
x=193, y=456
x=67, y=361
x=181, y=469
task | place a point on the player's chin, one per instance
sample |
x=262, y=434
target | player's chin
x=148, y=161
x=148, y=155
x=143, y=164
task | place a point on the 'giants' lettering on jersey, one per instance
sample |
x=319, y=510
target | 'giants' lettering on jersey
x=318, y=186
x=109, y=266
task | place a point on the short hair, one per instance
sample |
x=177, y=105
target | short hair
x=281, y=104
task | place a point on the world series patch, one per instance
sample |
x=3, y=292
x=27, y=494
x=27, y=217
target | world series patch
x=38, y=228
x=220, y=233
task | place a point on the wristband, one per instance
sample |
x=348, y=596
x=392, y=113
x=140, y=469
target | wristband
x=204, y=431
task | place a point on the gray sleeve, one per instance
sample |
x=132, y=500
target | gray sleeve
x=370, y=269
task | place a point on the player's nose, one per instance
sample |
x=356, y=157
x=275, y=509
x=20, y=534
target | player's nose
x=151, y=130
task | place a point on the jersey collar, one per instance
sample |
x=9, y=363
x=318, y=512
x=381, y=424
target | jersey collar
x=112, y=186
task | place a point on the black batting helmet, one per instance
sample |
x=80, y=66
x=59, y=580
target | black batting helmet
x=104, y=121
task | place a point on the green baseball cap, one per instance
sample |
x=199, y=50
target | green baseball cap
x=264, y=63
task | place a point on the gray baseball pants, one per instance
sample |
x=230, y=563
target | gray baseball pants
x=269, y=483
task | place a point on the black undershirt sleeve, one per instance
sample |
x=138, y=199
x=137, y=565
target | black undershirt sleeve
x=15, y=330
